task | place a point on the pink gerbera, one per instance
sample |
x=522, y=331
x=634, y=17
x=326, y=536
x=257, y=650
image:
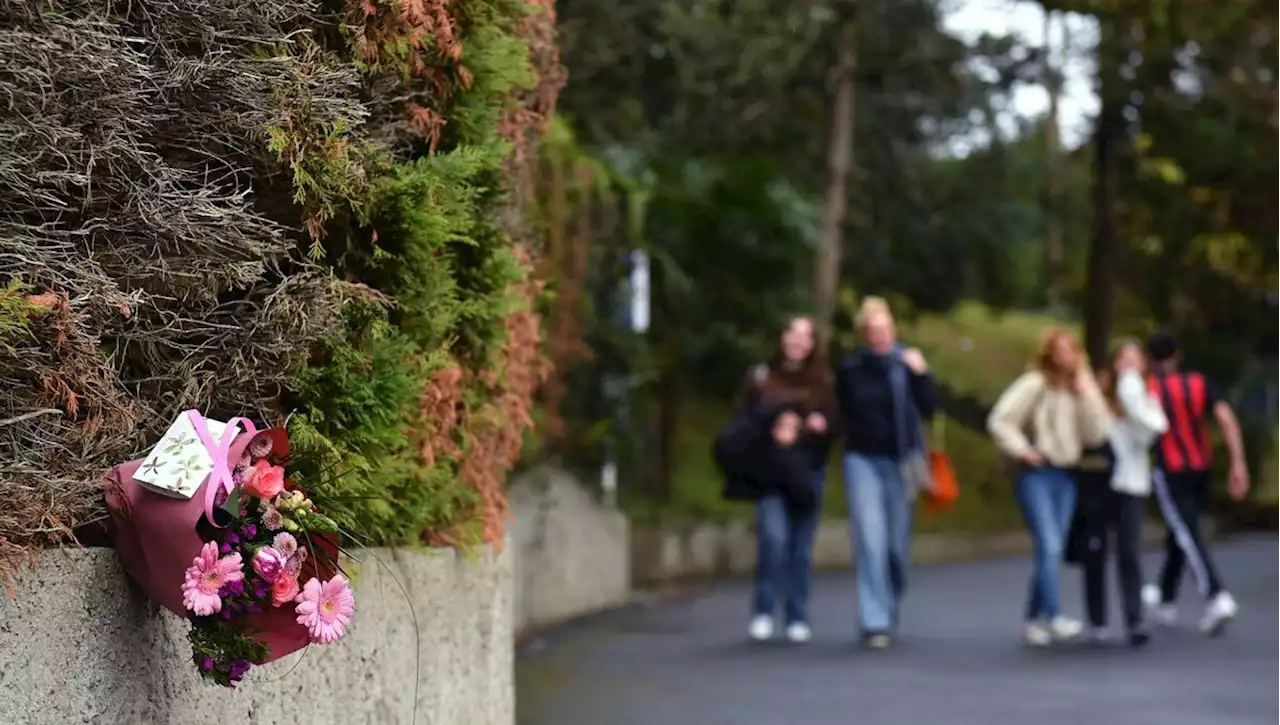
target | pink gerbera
x=326, y=609
x=206, y=576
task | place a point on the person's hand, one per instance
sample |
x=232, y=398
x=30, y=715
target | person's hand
x=786, y=429
x=816, y=422
x=1238, y=481
x=914, y=359
x=1033, y=458
x=1084, y=383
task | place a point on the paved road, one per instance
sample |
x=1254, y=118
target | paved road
x=958, y=663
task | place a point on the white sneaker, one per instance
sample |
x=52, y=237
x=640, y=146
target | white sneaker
x=1035, y=634
x=1218, y=614
x=1064, y=628
x=799, y=633
x=761, y=628
x=1157, y=611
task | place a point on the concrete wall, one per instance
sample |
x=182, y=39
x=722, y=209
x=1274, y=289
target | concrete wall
x=572, y=553
x=78, y=643
x=660, y=555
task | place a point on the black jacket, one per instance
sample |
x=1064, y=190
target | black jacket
x=865, y=395
x=755, y=466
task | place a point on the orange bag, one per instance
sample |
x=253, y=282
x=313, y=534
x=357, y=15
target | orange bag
x=946, y=489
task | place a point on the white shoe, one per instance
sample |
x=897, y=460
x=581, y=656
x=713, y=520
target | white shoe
x=1157, y=611
x=1218, y=614
x=799, y=633
x=761, y=628
x=1035, y=634
x=1064, y=628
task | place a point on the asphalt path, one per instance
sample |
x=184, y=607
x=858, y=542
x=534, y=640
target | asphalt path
x=959, y=660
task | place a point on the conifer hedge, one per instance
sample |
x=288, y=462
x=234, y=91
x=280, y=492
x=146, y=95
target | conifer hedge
x=302, y=211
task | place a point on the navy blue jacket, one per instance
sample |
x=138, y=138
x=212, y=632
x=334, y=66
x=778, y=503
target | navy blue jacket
x=865, y=395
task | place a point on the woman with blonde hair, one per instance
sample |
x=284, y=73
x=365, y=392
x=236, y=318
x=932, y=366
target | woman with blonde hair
x=1045, y=420
x=884, y=392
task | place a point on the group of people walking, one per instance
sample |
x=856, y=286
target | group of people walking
x=1082, y=443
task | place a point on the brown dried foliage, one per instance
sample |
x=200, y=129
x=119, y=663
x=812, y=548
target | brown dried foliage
x=412, y=48
x=442, y=410
x=570, y=210
x=493, y=430
x=524, y=123
x=138, y=199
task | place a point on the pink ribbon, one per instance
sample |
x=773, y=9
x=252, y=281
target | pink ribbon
x=220, y=477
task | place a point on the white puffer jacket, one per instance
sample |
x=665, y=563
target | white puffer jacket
x=1133, y=433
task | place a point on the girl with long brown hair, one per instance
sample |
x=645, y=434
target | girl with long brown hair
x=1045, y=420
x=1113, y=495
x=796, y=387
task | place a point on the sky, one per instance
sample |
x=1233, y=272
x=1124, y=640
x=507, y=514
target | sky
x=968, y=19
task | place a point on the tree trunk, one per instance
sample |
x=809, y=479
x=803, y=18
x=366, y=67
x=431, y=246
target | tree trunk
x=1052, y=271
x=826, y=273
x=1104, y=247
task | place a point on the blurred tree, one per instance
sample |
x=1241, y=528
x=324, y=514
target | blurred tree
x=735, y=110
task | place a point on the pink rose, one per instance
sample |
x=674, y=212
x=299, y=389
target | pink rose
x=269, y=563
x=264, y=480
x=284, y=590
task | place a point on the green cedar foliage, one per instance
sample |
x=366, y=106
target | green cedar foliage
x=424, y=232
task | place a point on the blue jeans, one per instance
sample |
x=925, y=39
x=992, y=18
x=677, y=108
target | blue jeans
x=1047, y=497
x=784, y=560
x=880, y=516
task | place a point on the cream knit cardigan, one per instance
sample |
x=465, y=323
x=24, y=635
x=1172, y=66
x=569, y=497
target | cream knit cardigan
x=1061, y=424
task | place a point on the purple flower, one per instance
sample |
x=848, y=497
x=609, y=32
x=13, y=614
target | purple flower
x=227, y=613
x=253, y=608
x=259, y=590
x=233, y=539
x=238, y=669
x=269, y=562
x=206, y=664
x=249, y=532
x=225, y=549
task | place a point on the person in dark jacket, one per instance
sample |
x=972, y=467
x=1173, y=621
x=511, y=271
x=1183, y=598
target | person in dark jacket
x=792, y=390
x=884, y=393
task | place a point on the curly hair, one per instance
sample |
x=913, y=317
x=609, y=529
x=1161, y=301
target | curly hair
x=1042, y=360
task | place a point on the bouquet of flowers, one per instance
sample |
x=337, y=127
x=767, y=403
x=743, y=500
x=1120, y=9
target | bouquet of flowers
x=248, y=559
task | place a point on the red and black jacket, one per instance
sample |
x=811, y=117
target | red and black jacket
x=1188, y=400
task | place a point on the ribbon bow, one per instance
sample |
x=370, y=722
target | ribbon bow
x=220, y=478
